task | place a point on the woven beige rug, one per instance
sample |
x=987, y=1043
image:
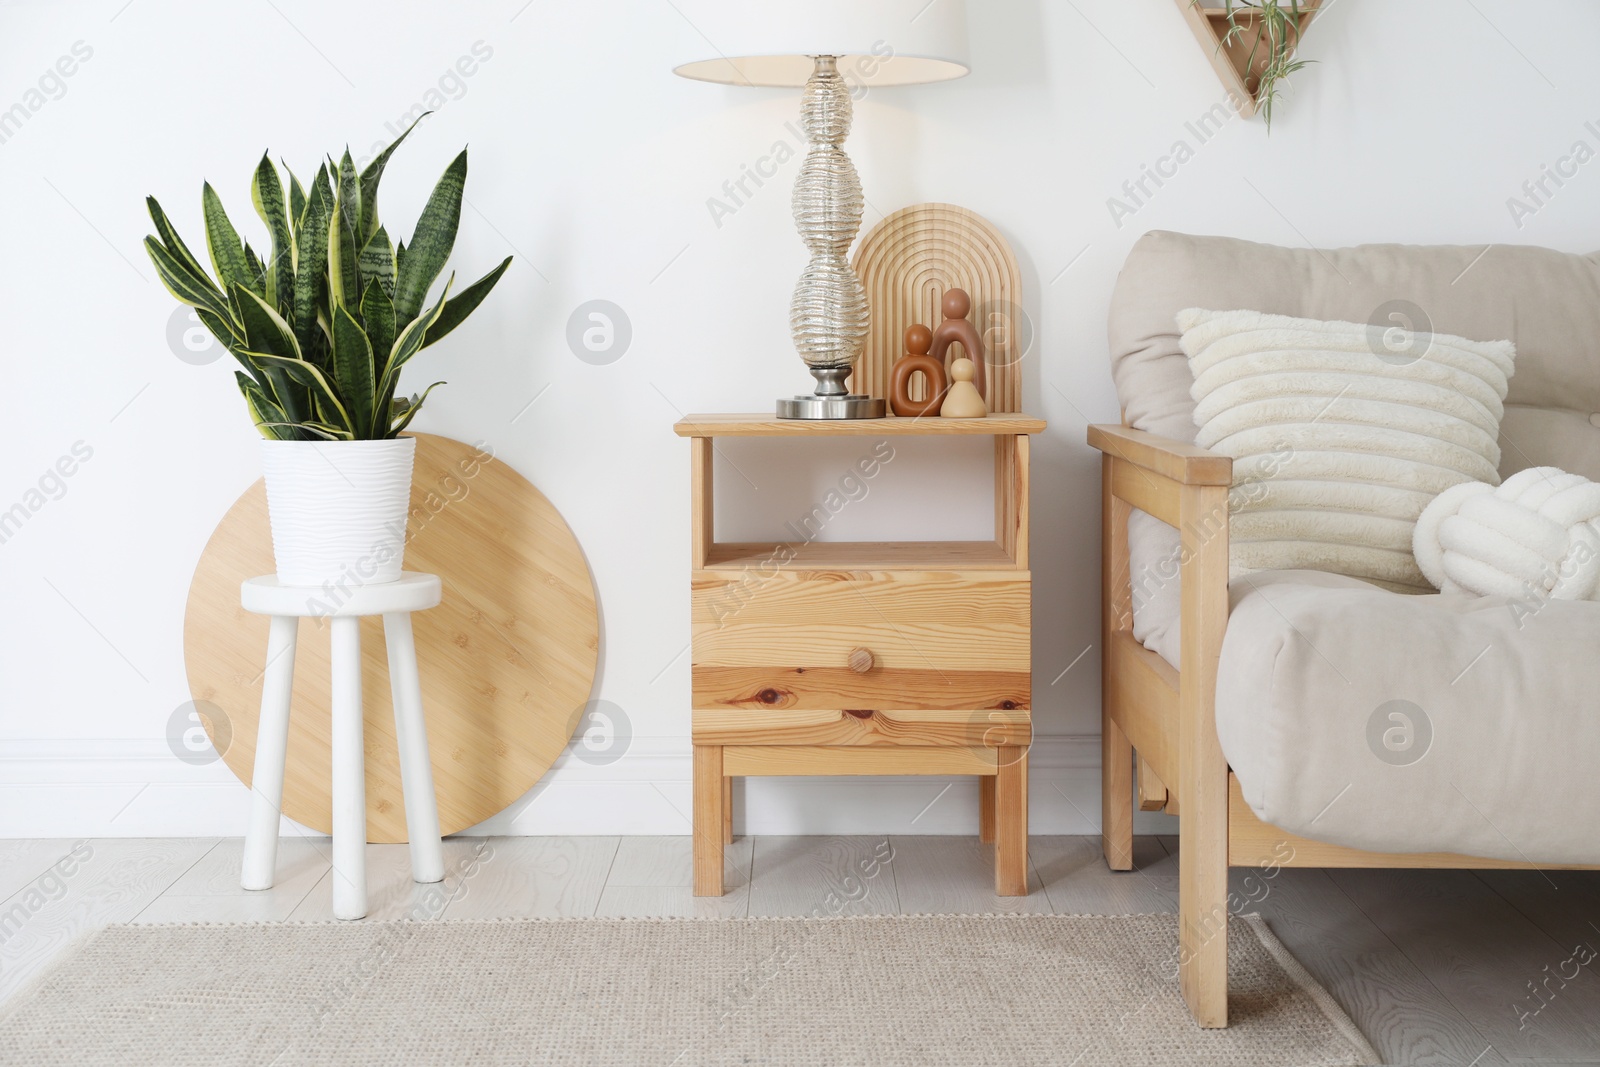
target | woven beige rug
x=913, y=990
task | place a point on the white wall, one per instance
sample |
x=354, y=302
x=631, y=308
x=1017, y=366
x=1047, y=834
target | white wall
x=593, y=164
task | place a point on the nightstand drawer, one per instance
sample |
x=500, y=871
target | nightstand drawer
x=811, y=640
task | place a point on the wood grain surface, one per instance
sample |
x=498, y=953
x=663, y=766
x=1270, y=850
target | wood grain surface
x=942, y=641
x=760, y=425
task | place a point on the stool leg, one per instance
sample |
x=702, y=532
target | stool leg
x=272, y=744
x=411, y=733
x=349, y=774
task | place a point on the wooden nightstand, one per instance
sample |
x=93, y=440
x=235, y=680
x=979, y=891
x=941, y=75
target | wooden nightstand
x=898, y=657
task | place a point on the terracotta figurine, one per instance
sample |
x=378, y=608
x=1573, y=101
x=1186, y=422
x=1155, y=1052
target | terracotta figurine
x=955, y=327
x=918, y=339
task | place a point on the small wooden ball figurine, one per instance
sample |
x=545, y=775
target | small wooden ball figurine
x=963, y=401
x=918, y=340
x=955, y=327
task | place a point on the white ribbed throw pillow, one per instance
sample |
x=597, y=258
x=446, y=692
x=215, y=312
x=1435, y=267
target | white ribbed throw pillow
x=1337, y=449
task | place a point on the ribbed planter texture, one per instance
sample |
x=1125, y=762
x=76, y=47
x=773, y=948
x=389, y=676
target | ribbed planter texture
x=338, y=509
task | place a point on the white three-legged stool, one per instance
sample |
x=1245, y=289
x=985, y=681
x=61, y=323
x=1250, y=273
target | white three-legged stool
x=287, y=604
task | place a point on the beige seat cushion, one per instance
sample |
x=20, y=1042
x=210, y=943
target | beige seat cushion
x=1395, y=723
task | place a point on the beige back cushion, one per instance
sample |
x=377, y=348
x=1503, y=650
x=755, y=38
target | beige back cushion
x=1546, y=302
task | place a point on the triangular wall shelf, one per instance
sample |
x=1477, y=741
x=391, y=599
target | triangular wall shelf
x=1209, y=21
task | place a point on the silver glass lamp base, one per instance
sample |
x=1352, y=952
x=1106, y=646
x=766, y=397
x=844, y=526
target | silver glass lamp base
x=849, y=406
x=828, y=313
x=831, y=399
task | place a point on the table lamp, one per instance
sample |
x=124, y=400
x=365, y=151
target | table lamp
x=832, y=48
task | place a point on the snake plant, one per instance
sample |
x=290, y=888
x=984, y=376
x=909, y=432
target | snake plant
x=323, y=326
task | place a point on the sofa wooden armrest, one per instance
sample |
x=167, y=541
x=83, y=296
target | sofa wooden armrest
x=1186, y=463
x=1169, y=715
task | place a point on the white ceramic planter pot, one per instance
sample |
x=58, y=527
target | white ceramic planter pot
x=338, y=509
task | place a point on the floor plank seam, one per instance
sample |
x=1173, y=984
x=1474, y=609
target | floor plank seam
x=1421, y=971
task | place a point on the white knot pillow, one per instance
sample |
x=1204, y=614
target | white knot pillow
x=1537, y=532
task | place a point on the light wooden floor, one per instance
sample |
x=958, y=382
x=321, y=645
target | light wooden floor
x=1436, y=966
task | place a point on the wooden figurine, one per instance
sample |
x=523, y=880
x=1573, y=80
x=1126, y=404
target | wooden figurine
x=955, y=327
x=918, y=340
x=963, y=401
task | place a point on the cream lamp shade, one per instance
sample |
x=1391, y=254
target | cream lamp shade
x=877, y=42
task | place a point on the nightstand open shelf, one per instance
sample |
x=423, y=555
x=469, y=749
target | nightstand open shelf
x=884, y=657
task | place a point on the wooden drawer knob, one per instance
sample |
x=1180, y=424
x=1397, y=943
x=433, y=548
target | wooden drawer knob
x=862, y=660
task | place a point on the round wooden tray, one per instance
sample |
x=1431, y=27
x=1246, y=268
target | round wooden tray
x=507, y=660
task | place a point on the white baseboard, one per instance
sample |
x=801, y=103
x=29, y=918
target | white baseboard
x=137, y=788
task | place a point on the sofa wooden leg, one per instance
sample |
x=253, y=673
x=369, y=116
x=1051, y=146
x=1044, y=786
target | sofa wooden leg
x=708, y=820
x=1202, y=769
x=1203, y=925
x=986, y=808
x=1116, y=795
x=727, y=811
x=1011, y=822
x=1203, y=929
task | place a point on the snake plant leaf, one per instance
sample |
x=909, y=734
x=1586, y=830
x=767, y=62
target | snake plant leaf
x=223, y=328
x=353, y=371
x=266, y=192
x=377, y=316
x=265, y=329
x=350, y=193
x=377, y=262
x=222, y=241
x=306, y=376
x=399, y=256
x=344, y=273
x=173, y=243
x=415, y=333
x=265, y=332
x=432, y=240
x=408, y=344
x=369, y=183
x=195, y=291
x=311, y=263
x=297, y=199
x=324, y=184
x=377, y=319
x=315, y=429
x=258, y=270
x=263, y=412
x=413, y=406
x=463, y=304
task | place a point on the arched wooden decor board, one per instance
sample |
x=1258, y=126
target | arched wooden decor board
x=507, y=660
x=907, y=262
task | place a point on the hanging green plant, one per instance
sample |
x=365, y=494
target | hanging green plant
x=323, y=327
x=1272, y=30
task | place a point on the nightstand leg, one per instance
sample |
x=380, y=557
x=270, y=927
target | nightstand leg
x=1011, y=822
x=727, y=811
x=986, y=809
x=709, y=823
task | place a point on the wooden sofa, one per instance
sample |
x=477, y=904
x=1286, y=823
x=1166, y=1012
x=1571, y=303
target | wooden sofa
x=1160, y=742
